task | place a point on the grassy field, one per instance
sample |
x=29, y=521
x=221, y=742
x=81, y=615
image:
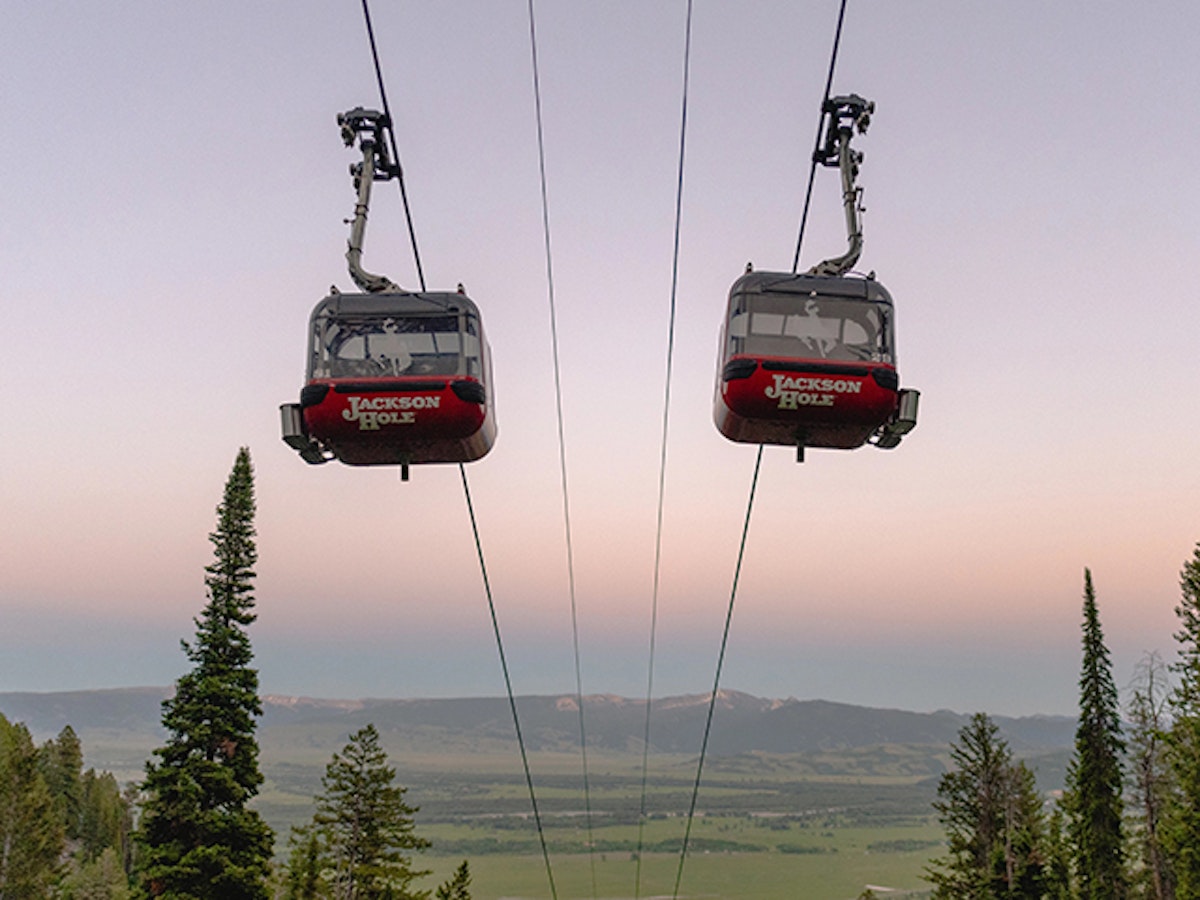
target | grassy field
x=827, y=862
x=769, y=827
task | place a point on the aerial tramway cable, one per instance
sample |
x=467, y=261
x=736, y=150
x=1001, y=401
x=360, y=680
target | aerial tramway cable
x=512, y=702
x=466, y=490
x=812, y=169
x=563, y=469
x=662, y=463
x=737, y=572
x=387, y=111
x=562, y=444
x=753, y=487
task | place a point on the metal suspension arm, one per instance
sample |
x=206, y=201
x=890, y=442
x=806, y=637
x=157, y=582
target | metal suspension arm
x=367, y=127
x=846, y=115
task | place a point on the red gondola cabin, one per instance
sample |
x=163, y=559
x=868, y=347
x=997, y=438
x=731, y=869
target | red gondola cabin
x=809, y=361
x=394, y=379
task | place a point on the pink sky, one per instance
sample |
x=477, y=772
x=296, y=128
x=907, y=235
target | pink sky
x=174, y=201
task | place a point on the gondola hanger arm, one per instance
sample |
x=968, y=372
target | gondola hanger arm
x=845, y=115
x=368, y=127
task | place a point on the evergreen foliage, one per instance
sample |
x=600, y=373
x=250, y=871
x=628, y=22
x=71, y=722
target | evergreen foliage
x=995, y=828
x=303, y=880
x=102, y=878
x=197, y=837
x=61, y=763
x=1058, y=858
x=106, y=819
x=457, y=887
x=1093, y=796
x=1181, y=836
x=360, y=842
x=31, y=826
x=62, y=833
x=366, y=829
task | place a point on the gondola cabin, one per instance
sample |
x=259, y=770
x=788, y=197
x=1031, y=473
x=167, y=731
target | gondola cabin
x=394, y=379
x=810, y=361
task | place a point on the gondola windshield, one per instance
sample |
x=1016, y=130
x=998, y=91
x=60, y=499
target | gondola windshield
x=371, y=346
x=778, y=325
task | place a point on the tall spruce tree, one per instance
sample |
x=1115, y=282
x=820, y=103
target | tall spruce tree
x=992, y=814
x=1181, y=836
x=1094, y=777
x=198, y=838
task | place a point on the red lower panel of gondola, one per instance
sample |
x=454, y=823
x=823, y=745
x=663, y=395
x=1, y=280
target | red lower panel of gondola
x=369, y=422
x=790, y=402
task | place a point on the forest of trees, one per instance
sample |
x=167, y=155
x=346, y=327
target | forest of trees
x=64, y=832
x=1126, y=827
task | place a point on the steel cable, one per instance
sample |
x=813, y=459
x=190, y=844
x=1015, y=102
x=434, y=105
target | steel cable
x=487, y=587
x=712, y=703
x=387, y=111
x=562, y=444
x=812, y=169
x=662, y=466
x=512, y=702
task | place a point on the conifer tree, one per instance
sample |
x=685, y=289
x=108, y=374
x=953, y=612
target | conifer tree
x=995, y=829
x=1025, y=858
x=31, y=828
x=106, y=816
x=457, y=888
x=61, y=763
x=1093, y=795
x=1058, y=857
x=198, y=839
x=1182, y=833
x=303, y=877
x=363, y=830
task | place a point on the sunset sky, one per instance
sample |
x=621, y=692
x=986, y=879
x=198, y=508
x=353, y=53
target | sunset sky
x=173, y=192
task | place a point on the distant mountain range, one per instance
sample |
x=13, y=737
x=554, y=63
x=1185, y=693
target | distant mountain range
x=741, y=724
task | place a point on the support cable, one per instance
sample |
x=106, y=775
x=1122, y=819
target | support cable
x=662, y=464
x=837, y=37
x=512, y=702
x=812, y=169
x=412, y=234
x=562, y=444
x=712, y=702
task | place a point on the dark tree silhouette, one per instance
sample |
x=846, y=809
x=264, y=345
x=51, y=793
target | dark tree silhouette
x=1093, y=795
x=197, y=837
